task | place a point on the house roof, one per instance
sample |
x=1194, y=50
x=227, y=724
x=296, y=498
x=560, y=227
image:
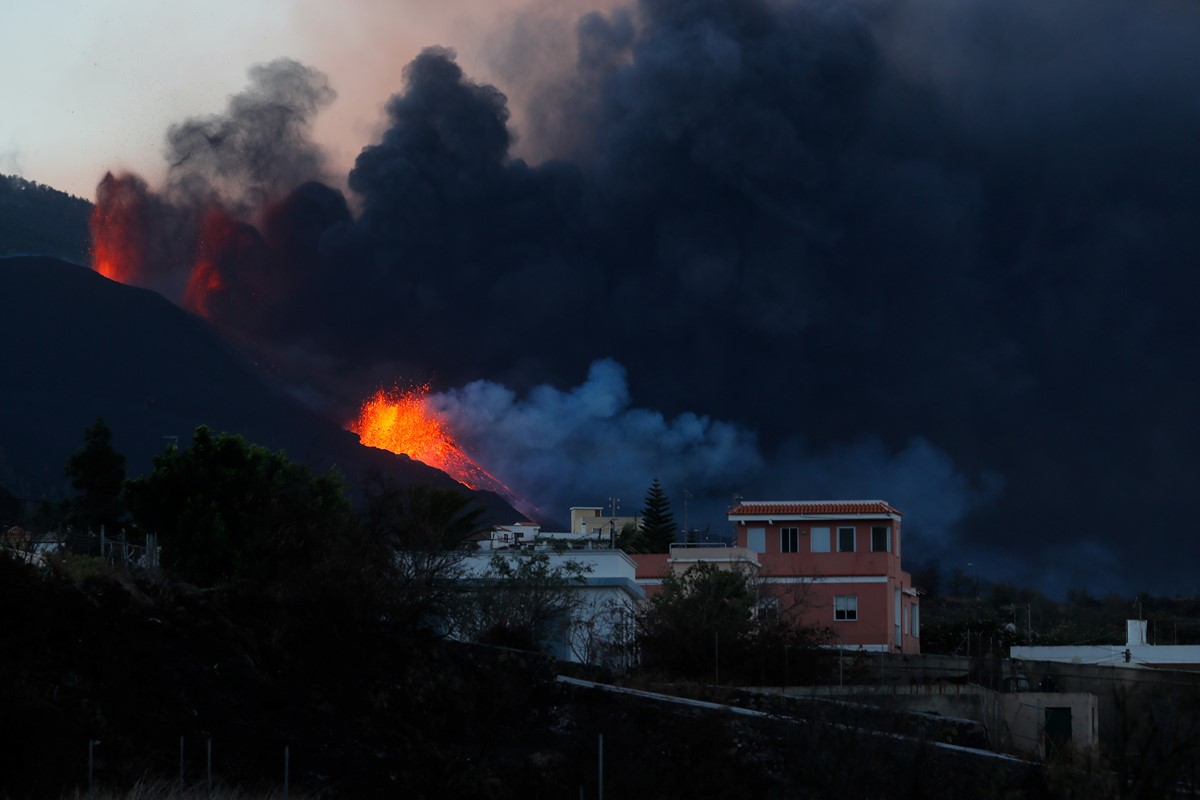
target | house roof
x=787, y=508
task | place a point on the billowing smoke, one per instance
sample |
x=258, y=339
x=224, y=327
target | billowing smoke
x=583, y=445
x=197, y=239
x=589, y=443
x=962, y=232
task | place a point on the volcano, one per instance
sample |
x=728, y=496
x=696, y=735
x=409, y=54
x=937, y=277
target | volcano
x=80, y=346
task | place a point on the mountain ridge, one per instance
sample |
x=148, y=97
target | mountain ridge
x=82, y=346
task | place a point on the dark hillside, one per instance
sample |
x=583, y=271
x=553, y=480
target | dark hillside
x=38, y=219
x=79, y=346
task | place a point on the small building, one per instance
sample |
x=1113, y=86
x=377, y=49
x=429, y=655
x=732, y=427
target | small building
x=1135, y=653
x=503, y=537
x=835, y=563
x=601, y=628
x=591, y=521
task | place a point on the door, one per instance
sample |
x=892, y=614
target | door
x=1057, y=734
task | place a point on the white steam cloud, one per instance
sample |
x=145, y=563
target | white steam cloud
x=585, y=444
x=565, y=448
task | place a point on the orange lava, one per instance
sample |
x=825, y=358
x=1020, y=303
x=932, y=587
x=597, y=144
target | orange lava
x=403, y=422
x=217, y=232
x=117, y=228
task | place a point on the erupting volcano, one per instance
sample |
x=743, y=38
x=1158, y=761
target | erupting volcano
x=404, y=422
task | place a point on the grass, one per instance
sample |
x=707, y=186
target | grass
x=146, y=789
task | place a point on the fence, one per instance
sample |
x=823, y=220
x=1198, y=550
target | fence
x=182, y=790
x=117, y=551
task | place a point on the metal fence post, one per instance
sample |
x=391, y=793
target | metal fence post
x=285, y=772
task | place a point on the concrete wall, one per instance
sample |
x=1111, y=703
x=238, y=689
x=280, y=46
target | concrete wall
x=1129, y=702
x=1129, y=699
x=1024, y=714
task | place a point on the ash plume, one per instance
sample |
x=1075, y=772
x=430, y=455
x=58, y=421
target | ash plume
x=965, y=231
x=259, y=149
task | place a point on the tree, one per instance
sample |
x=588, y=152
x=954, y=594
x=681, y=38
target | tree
x=427, y=532
x=97, y=472
x=658, y=523
x=522, y=600
x=420, y=517
x=712, y=622
x=226, y=509
x=683, y=625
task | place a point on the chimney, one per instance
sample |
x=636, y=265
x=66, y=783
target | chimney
x=1135, y=632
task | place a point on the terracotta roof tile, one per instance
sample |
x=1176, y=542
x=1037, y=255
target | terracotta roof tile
x=758, y=508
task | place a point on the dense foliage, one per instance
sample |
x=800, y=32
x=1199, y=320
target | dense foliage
x=225, y=509
x=964, y=614
x=713, y=623
x=520, y=600
x=97, y=473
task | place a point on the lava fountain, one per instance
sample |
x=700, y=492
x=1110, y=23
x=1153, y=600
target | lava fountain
x=404, y=422
x=118, y=227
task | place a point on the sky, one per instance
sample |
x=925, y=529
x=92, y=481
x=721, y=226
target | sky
x=92, y=85
x=938, y=252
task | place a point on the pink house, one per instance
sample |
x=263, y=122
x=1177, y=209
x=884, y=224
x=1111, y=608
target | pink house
x=835, y=563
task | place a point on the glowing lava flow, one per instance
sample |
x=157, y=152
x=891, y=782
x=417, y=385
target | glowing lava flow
x=403, y=422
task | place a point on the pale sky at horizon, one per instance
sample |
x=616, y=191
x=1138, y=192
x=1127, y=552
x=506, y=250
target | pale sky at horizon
x=92, y=85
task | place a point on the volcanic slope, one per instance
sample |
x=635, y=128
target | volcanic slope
x=79, y=346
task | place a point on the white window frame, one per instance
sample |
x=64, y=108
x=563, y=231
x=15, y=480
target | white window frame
x=853, y=538
x=845, y=605
x=789, y=536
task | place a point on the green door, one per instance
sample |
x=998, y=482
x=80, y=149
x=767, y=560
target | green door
x=1058, y=732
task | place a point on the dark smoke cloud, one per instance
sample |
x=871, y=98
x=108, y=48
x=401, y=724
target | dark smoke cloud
x=260, y=148
x=962, y=233
x=226, y=172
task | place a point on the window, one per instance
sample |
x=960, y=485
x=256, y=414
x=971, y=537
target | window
x=789, y=540
x=881, y=540
x=756, y=539
x=845, y=540
x=767, y=608
x=916, y=620
x=845, y=607
x=819, y=540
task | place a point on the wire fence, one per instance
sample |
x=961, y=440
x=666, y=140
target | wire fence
x=187, y=785
x=118, y=551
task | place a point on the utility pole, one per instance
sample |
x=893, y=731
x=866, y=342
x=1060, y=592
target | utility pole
x=687, y=532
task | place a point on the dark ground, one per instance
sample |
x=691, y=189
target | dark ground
x=370, y=712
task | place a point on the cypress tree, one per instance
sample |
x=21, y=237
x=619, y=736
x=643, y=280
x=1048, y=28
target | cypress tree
x=658, y=523
x=97, y=473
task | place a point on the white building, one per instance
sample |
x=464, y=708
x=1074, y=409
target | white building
x=601, y=624
x=1134, y=653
